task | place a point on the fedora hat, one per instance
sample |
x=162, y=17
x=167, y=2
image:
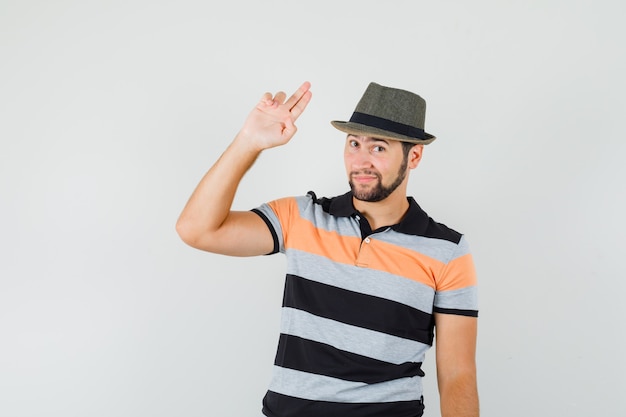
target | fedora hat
x=388, y=113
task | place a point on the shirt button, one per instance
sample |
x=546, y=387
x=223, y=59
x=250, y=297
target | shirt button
x=367, y=240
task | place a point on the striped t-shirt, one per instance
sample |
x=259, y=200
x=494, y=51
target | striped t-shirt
x=357, y=316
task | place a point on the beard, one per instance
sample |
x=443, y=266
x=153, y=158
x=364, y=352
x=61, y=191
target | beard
x=378, y=192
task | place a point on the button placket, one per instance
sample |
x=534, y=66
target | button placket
x=364, y=253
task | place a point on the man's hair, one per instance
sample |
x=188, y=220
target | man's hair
x=406, y=147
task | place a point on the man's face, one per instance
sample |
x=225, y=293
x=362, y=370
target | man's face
x=375, y=167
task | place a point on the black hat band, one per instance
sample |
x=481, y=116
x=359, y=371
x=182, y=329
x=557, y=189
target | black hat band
x=388, y=125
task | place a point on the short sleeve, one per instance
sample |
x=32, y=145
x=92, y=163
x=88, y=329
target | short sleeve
x=457, y=291
x=277, y=215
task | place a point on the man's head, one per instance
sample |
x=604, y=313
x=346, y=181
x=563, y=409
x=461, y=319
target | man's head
x=385, y=139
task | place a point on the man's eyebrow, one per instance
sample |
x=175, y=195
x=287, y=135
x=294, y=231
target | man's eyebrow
x=372, y=139
x=378, y=141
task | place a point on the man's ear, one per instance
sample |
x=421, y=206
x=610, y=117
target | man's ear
x=415, y=156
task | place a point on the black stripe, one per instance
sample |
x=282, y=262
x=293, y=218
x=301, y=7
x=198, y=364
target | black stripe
x=388, y=125
x=458, y=312
x=269, y=226
x=319, y=358
x=357, y=309
x=279, y=405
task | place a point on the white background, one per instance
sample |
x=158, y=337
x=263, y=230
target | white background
x=111, y=111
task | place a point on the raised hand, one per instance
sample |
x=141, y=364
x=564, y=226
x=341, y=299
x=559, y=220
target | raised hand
x=272, y=122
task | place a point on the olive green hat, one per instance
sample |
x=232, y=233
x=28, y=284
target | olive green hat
x=388, y=113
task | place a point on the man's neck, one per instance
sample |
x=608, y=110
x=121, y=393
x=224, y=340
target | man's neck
x=383, y=213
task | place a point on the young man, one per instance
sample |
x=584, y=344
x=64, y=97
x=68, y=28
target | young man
x=369, y=275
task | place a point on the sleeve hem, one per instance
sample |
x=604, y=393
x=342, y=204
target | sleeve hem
x=456, y=311
x=272, y=231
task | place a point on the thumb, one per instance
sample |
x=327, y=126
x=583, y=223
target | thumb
x=290, y=129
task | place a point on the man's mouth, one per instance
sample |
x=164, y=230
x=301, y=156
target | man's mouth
x=363, y=177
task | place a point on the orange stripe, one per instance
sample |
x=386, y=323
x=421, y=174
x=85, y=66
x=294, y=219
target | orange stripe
x=377, y=255
x=306, y=237
x=397, y=260
x=459, y=273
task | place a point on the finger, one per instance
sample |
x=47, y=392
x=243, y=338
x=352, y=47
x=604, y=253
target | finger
x=299, y=107
x=280, y=97
x=267, y=99
x=289, y=130
x=297, y=96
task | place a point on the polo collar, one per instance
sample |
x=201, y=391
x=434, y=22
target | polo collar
x=415, y=222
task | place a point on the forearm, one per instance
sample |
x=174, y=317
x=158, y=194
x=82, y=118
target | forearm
x=459, y=396
x=207, y=221
x=210, y=203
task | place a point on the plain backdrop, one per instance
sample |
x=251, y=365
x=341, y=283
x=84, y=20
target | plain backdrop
x=111, y=111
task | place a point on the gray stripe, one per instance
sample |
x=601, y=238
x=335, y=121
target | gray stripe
x=322, y=388
x=361, y=280
x=463, y=299
x=442, y=250
x=353, y=339
x=312, y=212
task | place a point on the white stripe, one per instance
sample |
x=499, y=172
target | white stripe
x=353, y=339
x=322, y=388
x=462, y=299
x=440, y=249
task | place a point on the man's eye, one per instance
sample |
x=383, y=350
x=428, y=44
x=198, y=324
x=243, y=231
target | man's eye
x=353, y=143
x=378, y=149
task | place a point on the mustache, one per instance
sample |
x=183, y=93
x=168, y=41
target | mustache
x=365, y=172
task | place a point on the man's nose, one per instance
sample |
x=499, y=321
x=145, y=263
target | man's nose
x=362, y=159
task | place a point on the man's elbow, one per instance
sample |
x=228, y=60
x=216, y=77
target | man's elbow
x=187, y=232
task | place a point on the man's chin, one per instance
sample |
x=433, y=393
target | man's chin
x=370, y=193
x=370, y=196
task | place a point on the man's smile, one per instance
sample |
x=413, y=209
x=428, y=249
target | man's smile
x=364, y=177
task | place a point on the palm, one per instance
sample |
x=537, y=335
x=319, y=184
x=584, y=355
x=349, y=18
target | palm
x=271, y=122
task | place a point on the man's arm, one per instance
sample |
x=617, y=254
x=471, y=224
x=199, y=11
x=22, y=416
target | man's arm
x=207, y=221
x=456, y=365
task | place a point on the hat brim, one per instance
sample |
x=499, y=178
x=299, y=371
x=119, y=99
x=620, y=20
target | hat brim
x=364, y=130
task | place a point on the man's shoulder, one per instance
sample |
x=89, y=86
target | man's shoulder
x=439, y=230
x=417, y=222
x=340, y=205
